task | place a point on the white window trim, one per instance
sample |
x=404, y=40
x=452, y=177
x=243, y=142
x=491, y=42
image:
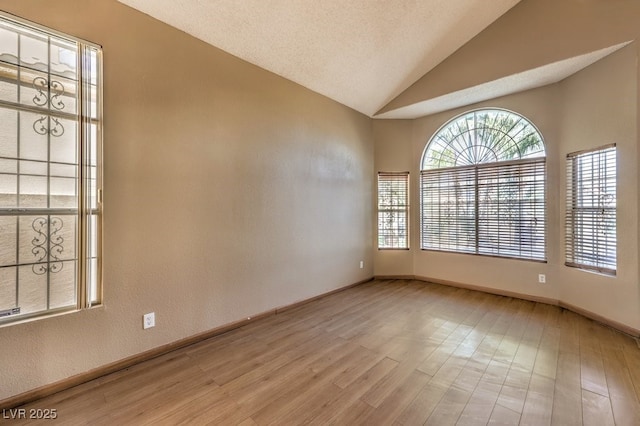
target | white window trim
x=396, y=209
x=88, y=254
x=591, y=243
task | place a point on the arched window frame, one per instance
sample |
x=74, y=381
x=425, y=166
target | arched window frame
x=486, y=195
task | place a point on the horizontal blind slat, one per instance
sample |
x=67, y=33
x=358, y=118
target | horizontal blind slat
x=590, y=219
x=492, y=209
x=393, y=210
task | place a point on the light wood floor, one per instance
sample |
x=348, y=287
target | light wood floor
x=382, y=353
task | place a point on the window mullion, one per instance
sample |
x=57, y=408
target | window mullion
x=80, y=188
x=477, y=209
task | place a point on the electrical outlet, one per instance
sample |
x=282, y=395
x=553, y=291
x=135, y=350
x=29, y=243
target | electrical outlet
x=361, y=264
x=542, y=278
x=149, y=320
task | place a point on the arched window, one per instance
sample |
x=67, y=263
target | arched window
x=482, y=187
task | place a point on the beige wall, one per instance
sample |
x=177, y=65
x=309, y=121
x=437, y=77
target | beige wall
x=229, y=191
x=541, y=107
x=596, y=106
x=600, y=107
x=394, y=153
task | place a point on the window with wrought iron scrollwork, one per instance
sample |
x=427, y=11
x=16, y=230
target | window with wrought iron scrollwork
x=393, y=210
x=50, y=141
x=482, y=187
x=590, y=221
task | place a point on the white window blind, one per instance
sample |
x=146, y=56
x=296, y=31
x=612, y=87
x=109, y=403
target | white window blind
x=591, y=240
x=393, y=210
x=489, y=209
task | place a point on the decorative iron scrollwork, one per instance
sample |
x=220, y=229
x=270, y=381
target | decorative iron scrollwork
x=58, y=90
x=48, y=92
x=42, y=126
x=41, y=85
x=48, y=242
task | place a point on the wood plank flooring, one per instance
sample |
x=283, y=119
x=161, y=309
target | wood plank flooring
x=388, y=352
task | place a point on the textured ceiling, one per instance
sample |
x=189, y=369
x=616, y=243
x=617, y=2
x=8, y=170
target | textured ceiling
x=361, y=53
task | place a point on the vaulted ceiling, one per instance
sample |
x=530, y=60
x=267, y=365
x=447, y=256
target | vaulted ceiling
x=404, y=58
x=361, y=53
